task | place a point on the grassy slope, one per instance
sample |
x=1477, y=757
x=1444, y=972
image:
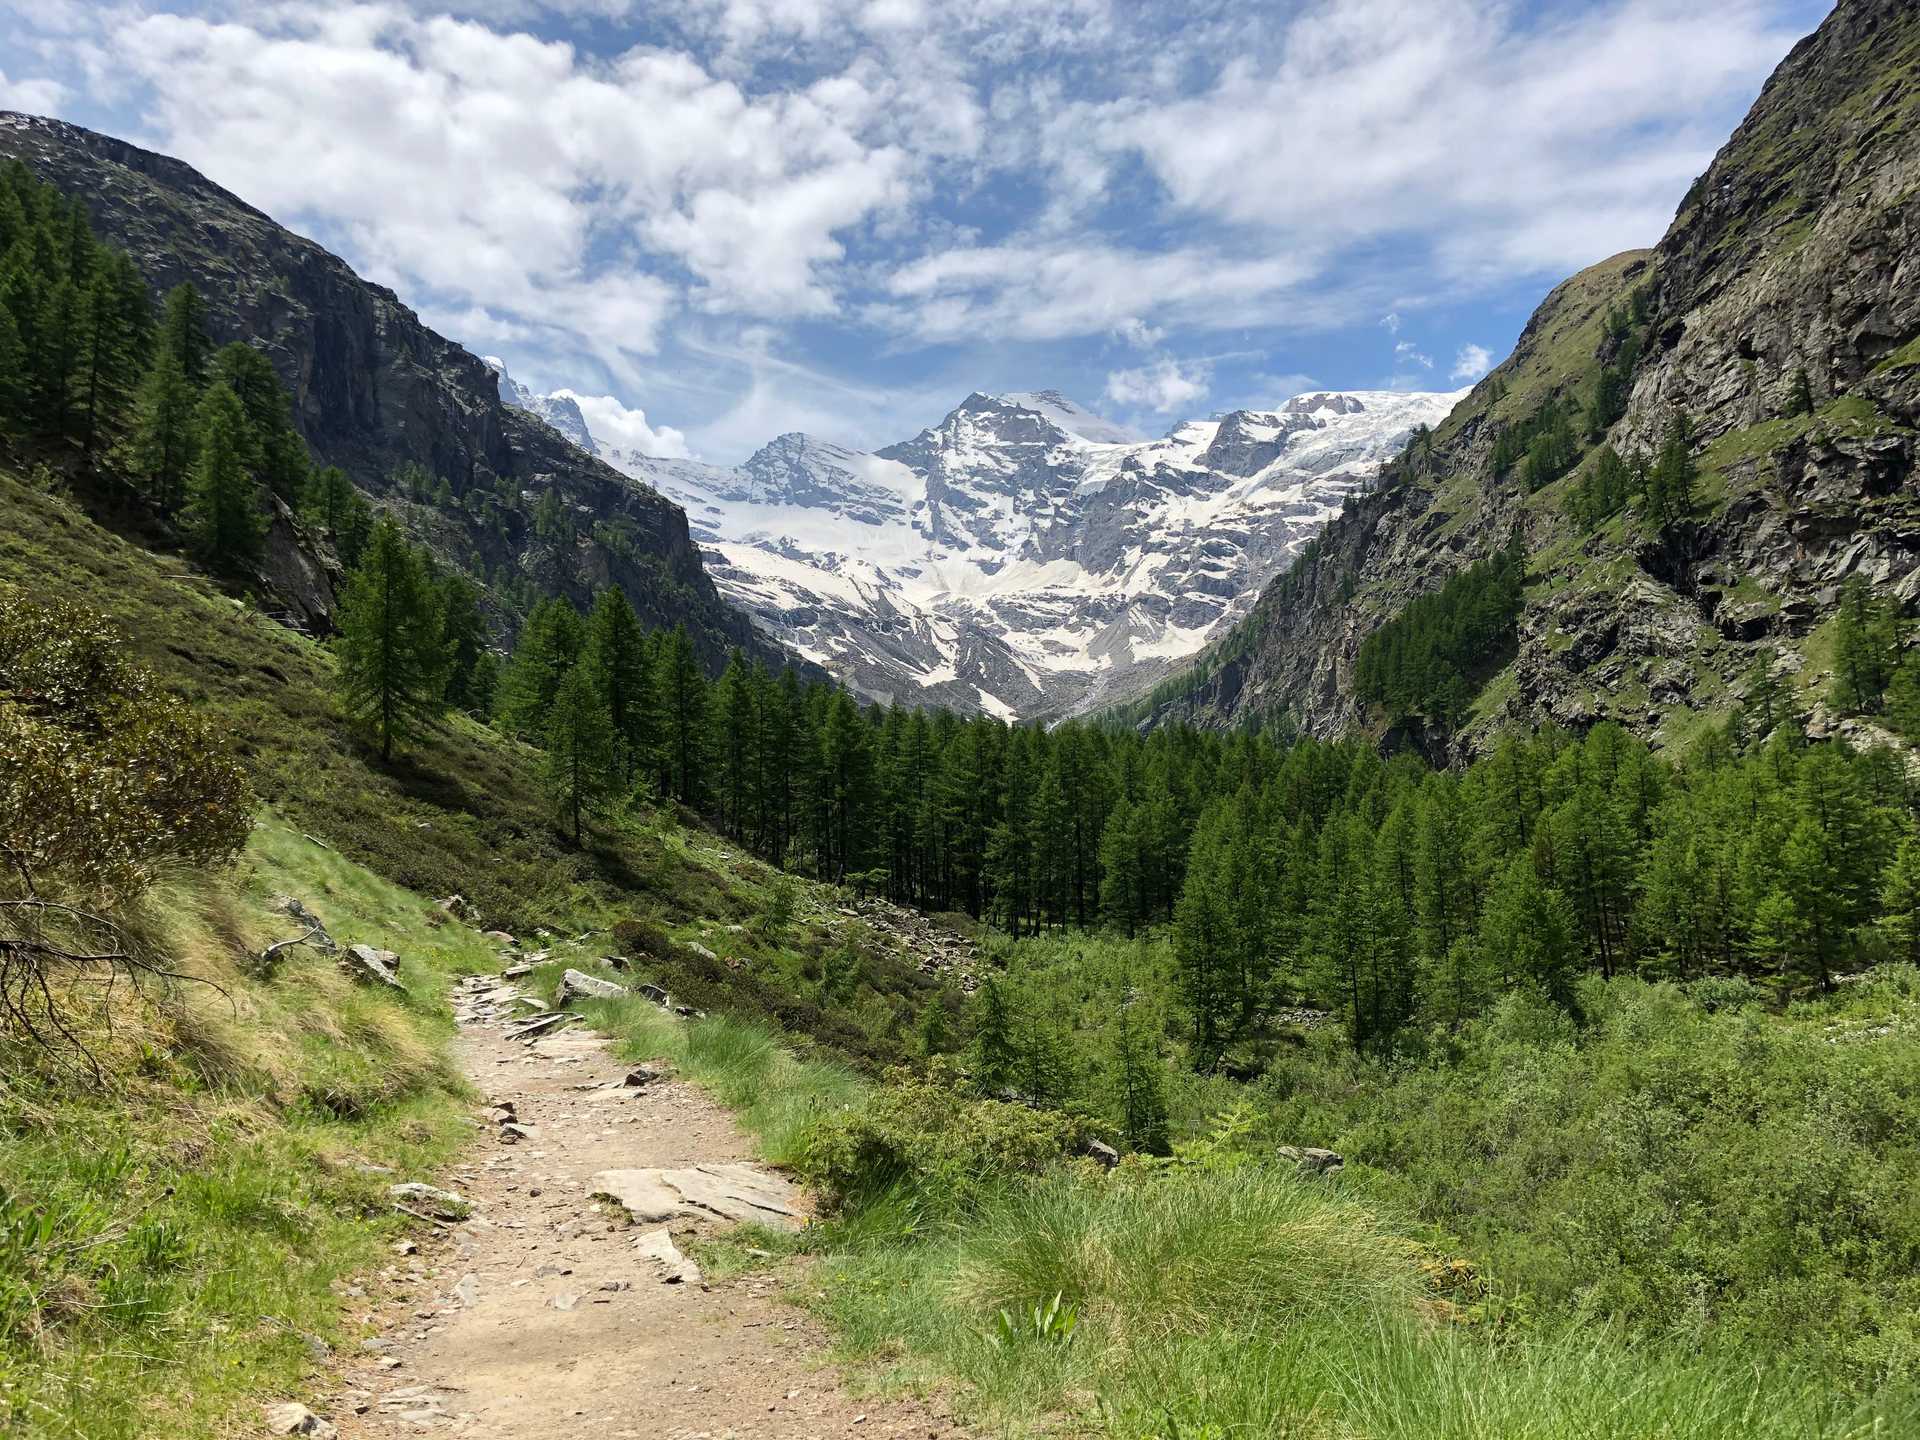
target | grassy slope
x=1217, y=1294
x=170, y=1237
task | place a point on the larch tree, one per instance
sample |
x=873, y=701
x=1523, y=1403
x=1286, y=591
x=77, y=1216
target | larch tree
x=223, y=506
x=579, y=751
x=393, y=662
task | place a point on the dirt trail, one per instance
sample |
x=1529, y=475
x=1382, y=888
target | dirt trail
x=540, y=1318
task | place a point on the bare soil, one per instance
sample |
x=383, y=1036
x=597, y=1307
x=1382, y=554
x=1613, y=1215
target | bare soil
x=538, y=1318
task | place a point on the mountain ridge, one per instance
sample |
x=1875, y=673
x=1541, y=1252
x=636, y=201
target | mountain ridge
x=1788, y=258
x=1023, y=557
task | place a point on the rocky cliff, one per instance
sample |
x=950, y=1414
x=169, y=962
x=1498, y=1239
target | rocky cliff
x=374, y=389
x=1797, y=252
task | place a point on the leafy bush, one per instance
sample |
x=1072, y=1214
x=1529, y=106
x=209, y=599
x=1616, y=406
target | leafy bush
x=923, y=1135
x=104, y=778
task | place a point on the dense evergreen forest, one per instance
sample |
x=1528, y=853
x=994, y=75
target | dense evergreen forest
x=1288, y=871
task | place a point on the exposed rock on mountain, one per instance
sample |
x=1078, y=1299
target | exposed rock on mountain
x=1025, y=557
x=1793, y=255
x=373, y=388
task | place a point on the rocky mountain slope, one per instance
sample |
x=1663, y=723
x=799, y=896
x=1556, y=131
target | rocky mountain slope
x=374, y=389
x=1795, y=254
x=1023, y=557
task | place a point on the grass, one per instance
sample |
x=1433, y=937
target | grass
x=1223, y=1294
x=171, y=1233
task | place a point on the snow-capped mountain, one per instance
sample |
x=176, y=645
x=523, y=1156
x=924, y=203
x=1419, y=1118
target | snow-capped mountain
x=1023, y=557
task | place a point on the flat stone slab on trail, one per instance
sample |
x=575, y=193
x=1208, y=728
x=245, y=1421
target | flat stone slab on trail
x=733, y=1192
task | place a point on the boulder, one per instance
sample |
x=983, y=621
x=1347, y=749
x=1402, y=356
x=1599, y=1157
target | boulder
x=697, y=948
x=1101, y=1153
x=1312, y=1158
x=655, y=994
x=575, y=985
x=372, y=967
x=642, y=1075
x=732, y=1192
x=295, y=1419
x=500, y=937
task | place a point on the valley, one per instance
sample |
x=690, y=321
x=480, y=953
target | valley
x=1382, y=913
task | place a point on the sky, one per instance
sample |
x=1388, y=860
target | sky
x=716, y=221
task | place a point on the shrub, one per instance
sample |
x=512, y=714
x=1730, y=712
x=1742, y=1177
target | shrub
x=924, y=1136
x=640, y=936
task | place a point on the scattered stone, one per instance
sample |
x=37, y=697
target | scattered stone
x=372, y=967
x=444, y=1203
x=405, y=1247
x=564, y=1302
x=655, y=994
x=549, y=1021
x=459, y=908
x=514, y=972
x=1309, y=1157
x=296, y=911
x=574, y=985
x=642, y=1075
x=614, y=962
x=296, y=1419
x=697, y=948
x=675, y=1268
x=1102, y=1154
x=511, y=1133
x=467, y=1290
x=500, y=937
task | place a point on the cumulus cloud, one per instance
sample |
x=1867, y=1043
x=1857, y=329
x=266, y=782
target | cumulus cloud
x=876, y=178
x=1160, y=387
x=35, y=97
x=614, y=423
x=1471, y=363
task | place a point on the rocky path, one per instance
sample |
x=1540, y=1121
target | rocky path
x=546, y=1314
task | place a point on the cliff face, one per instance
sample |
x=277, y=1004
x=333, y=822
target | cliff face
x=374, y=389
x=1799, y=249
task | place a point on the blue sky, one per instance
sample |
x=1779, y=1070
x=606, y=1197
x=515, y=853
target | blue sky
x=723, y=219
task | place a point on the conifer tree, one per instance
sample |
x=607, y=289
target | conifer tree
x=549, y=646
x=580, y=750
x=274, y=450
x=1800, y=402
x=683, y=693
x=183, y=332
x=463, y=638
x=223, y=500
x=1866, y=648
x=162, y=449
x=393, y=662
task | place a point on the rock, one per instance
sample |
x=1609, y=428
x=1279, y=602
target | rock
x=1101, y=1153
x=655, y=994
x=564, y=1302
x=510, y=1133
x=732, y=1192
x=372, y=967
x=467, y=1290
x=575, y=985
x=676, y=1268
x=1309, y=1157
x=614, y=962
x=697, y=948
x=295, y=1419
x=431, y=1198
x=499, y=937
x=297, y=911
x=642, y=1075
x=514, y=972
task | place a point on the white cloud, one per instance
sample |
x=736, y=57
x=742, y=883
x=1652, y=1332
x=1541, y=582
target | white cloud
x=35, y=97
x=1160, y=387
x=1390, y=322
x=610, y=421
x=1408, y=353
x=1471, y=363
